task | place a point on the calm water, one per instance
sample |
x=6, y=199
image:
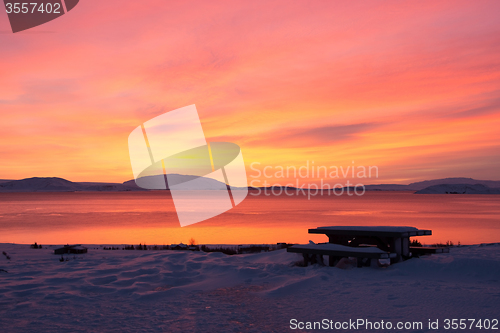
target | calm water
x=149, y=217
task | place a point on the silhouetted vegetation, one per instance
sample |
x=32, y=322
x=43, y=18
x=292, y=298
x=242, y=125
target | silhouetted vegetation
x=224, y=250
x=35, y=246
x=192, y=247
x=254, y=249
x=448, y=244
x=141, y=247
x=415, y=243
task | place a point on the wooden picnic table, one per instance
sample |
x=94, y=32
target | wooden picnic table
x=387, y=238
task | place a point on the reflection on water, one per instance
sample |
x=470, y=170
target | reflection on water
x=150, y=217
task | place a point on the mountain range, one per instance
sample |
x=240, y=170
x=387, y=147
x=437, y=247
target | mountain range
x=459, y=189
x=417, y=186
x=55, y=184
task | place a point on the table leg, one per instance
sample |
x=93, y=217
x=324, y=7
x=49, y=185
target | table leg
x=306, y=258
x=333, y=260
x=405, y=247
x=396, y=247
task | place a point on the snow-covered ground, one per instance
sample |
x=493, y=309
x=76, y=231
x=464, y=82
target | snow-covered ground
x=181, y=291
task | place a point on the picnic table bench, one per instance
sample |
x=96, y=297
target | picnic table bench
x=313, y=253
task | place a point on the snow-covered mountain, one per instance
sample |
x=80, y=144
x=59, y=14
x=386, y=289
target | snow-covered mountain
x=459, y=189
x=178, y=182
x=417, y=186
x=54, y=184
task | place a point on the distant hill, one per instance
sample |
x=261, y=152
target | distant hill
x=417, y=186
x=458, y=181
x=179, y=182
x=54, y=184
x=389, y=187
x=459, y=189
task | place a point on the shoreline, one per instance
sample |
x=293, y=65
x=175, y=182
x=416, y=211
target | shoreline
x=220, y=245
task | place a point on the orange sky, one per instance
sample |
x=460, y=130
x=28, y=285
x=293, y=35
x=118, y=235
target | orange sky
x=412, y=87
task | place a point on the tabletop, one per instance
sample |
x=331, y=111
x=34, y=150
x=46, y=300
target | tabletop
x=375, y=231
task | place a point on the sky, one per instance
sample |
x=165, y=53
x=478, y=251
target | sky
x=411, y=87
